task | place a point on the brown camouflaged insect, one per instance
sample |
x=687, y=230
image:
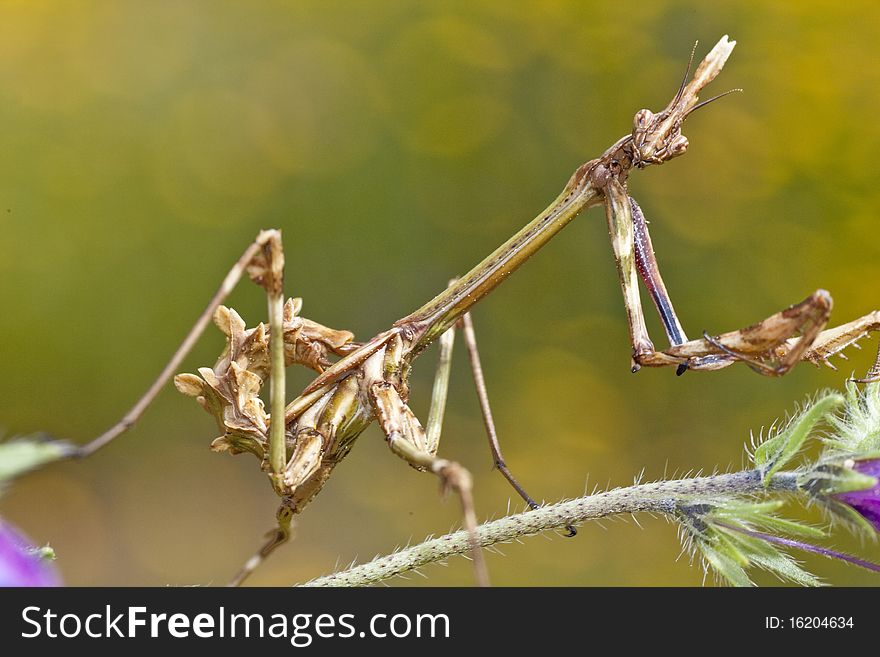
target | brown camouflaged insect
x=369, y=381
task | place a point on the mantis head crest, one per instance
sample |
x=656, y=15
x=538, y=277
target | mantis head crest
x=657, y=138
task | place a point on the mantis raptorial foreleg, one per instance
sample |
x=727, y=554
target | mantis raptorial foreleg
x=835, y=340
x=634, y=255
x=649, y=271
x=765, y=347
x=768, y=347
x=618, y=212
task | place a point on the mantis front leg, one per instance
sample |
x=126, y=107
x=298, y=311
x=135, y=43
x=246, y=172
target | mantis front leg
x=834, y=341
x=770, y=347
x=620, y=227
x=634, y=256
x=649, y=271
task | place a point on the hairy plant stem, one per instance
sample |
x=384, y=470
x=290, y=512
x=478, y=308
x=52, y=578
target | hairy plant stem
x=658, y=497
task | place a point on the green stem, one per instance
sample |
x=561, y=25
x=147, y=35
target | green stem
x=658, y=497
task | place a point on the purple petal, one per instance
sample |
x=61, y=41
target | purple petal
x=19, y=566
x=870, y=467
x=865, y=502
x=868, y=506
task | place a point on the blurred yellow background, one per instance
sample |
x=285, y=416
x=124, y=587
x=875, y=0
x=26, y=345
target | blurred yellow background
x=396, y=144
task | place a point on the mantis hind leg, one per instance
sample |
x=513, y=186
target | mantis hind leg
x=408, y=440
x=266, y=268
x=267, y=241
x=274, y=538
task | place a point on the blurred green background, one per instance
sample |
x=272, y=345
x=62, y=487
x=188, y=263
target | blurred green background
x=396, y=144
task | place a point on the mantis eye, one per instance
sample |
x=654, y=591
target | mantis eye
x=642, y=118
x=679, y=146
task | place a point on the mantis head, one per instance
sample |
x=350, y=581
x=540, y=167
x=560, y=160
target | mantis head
x=657, y=138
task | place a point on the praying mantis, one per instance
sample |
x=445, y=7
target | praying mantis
x=298, y=443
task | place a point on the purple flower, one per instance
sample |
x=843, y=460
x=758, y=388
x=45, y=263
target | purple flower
x=865, y=502
x=20, y=562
